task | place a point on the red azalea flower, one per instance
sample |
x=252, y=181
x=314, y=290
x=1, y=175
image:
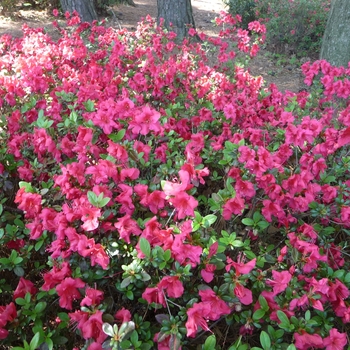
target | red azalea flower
x=24, y=286
x=7, y=314
x=92, y=297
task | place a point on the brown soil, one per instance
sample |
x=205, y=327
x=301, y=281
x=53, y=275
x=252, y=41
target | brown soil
x=286, y=75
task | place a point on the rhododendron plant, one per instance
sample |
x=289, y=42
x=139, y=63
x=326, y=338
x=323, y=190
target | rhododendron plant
x=153, y=199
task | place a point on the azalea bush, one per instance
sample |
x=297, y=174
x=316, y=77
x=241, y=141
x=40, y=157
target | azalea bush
x=151, y=200
x=302, y=33
x=293, y=27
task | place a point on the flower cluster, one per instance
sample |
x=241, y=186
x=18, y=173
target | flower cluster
x=160, y=197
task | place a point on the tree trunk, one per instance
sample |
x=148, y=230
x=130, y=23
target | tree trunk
x=336, y=44
x=177, y=15
x=85, y=8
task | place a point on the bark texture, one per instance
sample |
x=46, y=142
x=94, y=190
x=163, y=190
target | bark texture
x=85, y=8
x=177, y=15
x=336, y=40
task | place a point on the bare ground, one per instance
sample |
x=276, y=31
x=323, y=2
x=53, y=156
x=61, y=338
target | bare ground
x=286, y=76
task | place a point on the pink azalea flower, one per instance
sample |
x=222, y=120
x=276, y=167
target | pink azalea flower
x=218, y=306
x=305, y=341
x=90, y=216
x=197, y=318
x=146, y=120
x=154, y=295
x=280, y=281
x=173, y=188
x=240, y=267
x=172, y=285
x=233, y=206
x=208, y=272
x=68, y=291
x=244, y=295
x=122, y=315
x=184, y=204
x=30, y=203
x=127, y=226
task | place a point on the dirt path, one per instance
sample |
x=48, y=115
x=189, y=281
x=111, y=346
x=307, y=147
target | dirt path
x=287, y=77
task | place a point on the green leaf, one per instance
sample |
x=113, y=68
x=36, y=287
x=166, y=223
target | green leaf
x=285, y=323
x=167, y=255
x=265, y=340
x=63, y=316
x=126, y=281
x=92, y=197
x=263, y=224
x=195, y=226
x=89, y=106
x=108, y=329
x=40, y=307
x=145, y=247
x=118, y=136
x=307, y=315
x=197, y=216
x=248, y=222
x=339, y=274
x=4, y=261
x=49, y=343
x=347, y=278
x=263, y=303
x=257, y=216
x=27, y=186
x=38, y=245
x=145, y=276
x=59, y=340
x=208, y=220
x=210, y=343
x=35, y=341
x=18, y=270
x=291, y=347
x=236, y=243
x=20, y=301
x=258, y=315
x=17, y=260
x=103, y=202
x=134, y=338
x=125, y=345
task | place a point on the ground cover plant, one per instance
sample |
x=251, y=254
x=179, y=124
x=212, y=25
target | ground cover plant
x=153, y=201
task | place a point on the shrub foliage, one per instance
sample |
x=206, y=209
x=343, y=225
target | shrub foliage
x=151, y=200
x=293, y=27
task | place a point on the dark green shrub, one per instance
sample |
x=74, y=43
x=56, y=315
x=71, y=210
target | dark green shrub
x=294, y=27
x=245, y=8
